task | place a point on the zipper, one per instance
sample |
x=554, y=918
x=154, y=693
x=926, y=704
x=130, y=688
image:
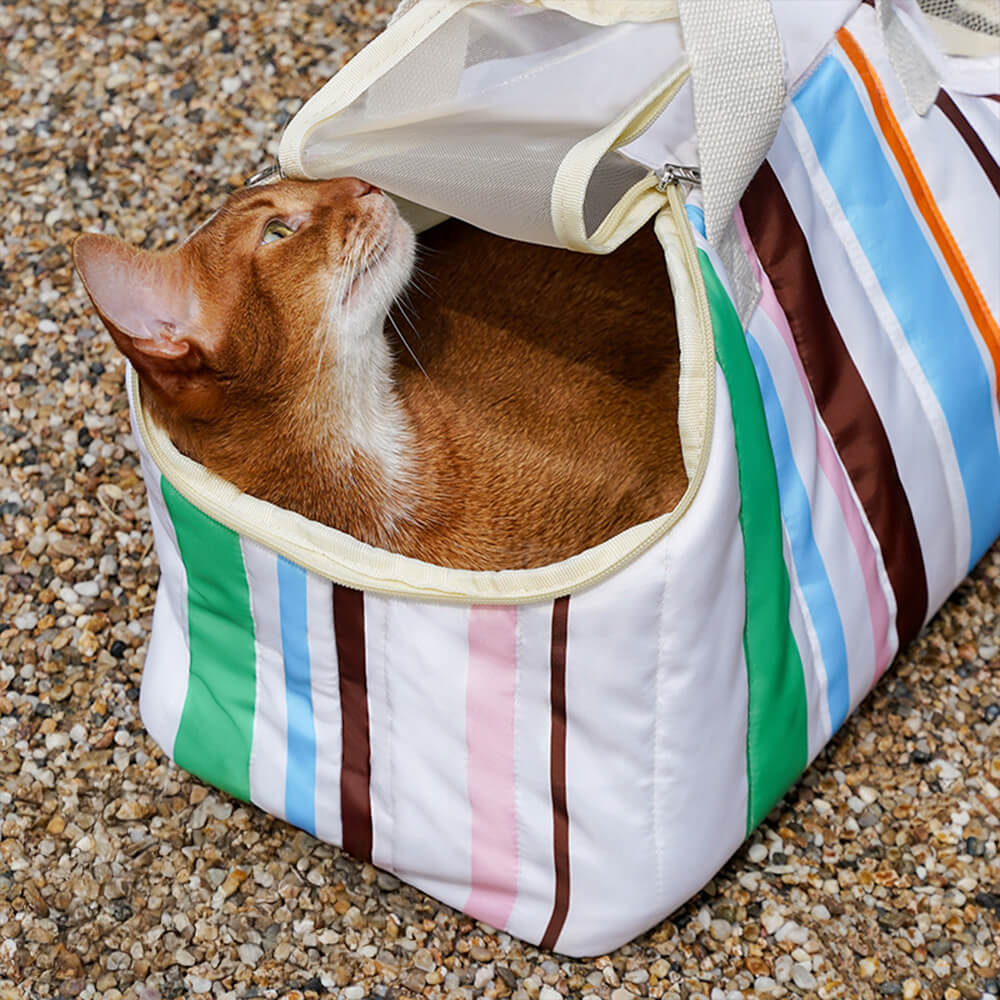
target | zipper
x=675, y=173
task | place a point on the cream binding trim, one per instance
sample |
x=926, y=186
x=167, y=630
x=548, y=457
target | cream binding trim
x=339, y=557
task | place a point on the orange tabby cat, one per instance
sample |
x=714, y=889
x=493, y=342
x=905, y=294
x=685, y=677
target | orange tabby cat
x=540, y=420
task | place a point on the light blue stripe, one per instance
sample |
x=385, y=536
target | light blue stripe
x=697, y=216
x=300, y=773
x=814, y=582
x=913, y=283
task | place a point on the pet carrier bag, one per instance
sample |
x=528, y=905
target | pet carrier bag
x=570, y=752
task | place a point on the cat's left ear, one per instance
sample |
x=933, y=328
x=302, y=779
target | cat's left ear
x=146, y=300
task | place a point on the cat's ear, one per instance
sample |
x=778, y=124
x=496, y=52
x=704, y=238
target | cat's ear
x=146, y=300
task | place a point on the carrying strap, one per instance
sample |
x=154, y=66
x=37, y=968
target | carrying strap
x=738, y=82
x=915, y=72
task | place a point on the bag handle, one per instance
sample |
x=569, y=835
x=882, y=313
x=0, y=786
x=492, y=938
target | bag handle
x=738, y=84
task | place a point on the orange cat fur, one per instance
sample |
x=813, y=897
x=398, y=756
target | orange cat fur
x=543, y=419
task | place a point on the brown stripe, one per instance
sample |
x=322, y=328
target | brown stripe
x=840, y=393
x=355, y=771
x=557, y=773
x=971, y=137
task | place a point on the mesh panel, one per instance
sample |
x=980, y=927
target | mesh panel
x=476, y=120
x=980, y=16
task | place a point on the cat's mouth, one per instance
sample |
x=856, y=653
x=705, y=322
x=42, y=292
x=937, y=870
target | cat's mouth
x=384, y=268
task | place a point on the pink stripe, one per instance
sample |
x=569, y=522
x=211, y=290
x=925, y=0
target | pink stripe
x=490, y=739
x=832, y=468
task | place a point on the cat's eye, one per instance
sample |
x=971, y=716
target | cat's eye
x=276, y=230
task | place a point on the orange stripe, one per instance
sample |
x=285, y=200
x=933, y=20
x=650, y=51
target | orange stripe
x=984, y=321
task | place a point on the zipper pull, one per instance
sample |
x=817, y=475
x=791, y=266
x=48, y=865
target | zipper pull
x=674, y=173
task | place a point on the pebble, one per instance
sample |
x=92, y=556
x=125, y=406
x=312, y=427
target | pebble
x=802, y=976
x=721, y=930
x=423, y=960
x=250, y=954
x=783, y=966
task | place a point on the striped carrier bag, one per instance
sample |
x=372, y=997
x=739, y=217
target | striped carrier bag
x=570, y=752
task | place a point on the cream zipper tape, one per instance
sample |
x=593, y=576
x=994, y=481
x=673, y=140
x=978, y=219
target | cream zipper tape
x=635, y=207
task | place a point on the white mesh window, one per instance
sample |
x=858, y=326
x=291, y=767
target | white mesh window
x=476, y=120
x=965, y=27
x=980, y=16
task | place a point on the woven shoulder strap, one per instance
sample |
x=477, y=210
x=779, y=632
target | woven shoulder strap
x=738, y=82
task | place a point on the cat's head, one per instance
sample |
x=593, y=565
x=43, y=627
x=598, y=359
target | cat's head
x=284, y=280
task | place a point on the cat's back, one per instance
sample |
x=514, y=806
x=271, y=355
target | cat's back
x=554, y=369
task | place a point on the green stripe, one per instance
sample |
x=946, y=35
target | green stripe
x=216, y=728
x=777, y=717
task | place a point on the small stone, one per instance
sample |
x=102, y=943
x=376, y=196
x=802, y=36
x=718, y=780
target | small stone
x=199, y=984
x=250, y=954
x=387, y=882
x=423, y=960
x=547, y=993
x=946, y=771
x=132, y=809
x=56, y=741
x=183, y=957
x=783, y=966
x=802, y=976
x=353, y=993
x=88, y=644
x=721, y=930
x=233, y=881
x=757, y=853
x=867, y=967
x=911, y=989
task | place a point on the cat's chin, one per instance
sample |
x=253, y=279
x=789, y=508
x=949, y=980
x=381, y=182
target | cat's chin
x=386, y=270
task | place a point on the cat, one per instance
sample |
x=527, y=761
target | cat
x=529, y=414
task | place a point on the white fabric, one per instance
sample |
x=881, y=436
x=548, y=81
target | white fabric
x=423, y=734
x=168, y=662
x=380, y=722
x=700, y=796
x=610, y=750
x=532, y=761
x=324, y=682
x=269, y=750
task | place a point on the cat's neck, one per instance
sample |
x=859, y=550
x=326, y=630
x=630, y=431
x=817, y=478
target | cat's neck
x=339, y=448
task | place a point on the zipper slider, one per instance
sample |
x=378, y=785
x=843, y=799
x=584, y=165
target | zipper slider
x=674, y=173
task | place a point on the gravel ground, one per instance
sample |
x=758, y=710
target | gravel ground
x=121, y=876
